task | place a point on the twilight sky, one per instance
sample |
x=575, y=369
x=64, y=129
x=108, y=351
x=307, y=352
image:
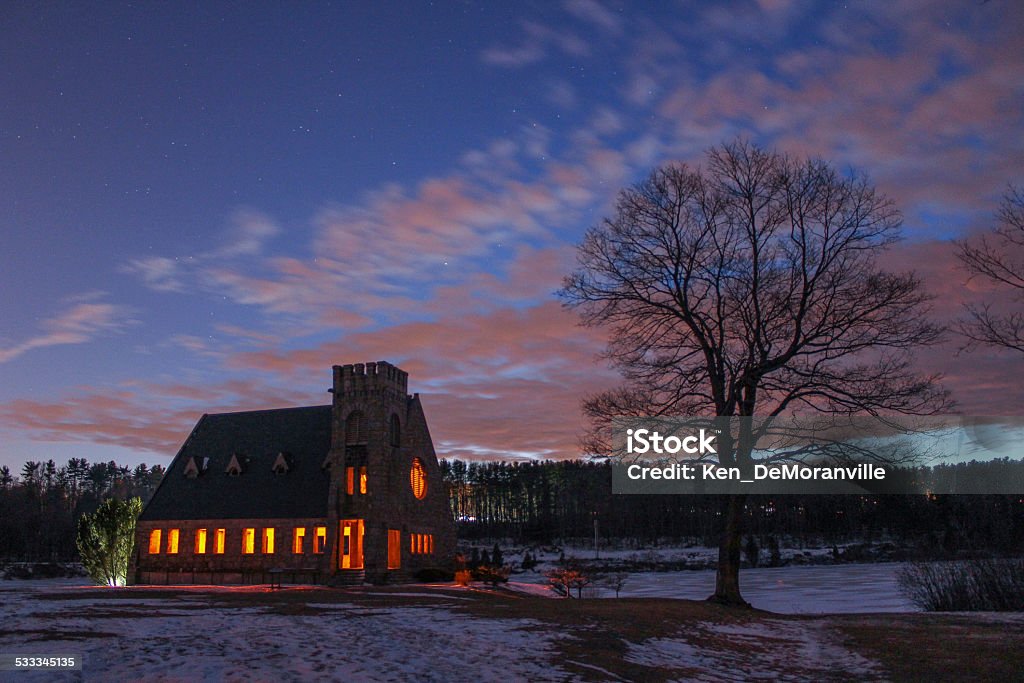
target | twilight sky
x=204, y=206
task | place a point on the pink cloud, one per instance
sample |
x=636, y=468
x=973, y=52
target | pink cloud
x=78, y=324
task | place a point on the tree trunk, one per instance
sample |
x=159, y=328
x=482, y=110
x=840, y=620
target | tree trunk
x=727, y=580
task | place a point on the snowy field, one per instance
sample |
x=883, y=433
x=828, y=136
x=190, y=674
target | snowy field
x=185, y=638
x=444, y=633
x=813, y=589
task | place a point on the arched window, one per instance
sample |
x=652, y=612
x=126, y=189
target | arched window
x=396, y=431
x=355, y=428
x=418, y=479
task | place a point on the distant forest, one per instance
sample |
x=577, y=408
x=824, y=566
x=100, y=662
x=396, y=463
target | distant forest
x=553, y=502
x=39, y=510
x=545, y=502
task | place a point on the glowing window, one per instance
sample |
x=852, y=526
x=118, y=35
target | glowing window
x=268, y=541
x=320, y=540
x=249, y=541
x=350, y=480
x=154, y=542
x=200, y=541
x=362, y=480
x=394, y=549
x=418, y=479
x=172, y=542
x=218, y=541
x=298, y=538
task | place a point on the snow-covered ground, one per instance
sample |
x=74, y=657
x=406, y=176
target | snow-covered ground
x=815, y=589
x=849, y=588
x=143, y=636
x=769, y=650
x=426, y=633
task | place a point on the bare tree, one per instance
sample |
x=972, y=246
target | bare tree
x=999, y=259
x=751, y=287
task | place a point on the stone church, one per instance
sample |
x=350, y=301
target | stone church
x=334, y=494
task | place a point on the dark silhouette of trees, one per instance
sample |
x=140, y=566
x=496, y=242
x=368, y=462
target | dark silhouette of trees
x=39, y=510
x=544, y=503
x=998, y=258
x=751, y=287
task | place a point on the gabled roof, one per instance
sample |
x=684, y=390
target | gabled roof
x=257, y=437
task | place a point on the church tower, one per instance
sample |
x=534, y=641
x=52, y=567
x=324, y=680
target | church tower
x=388, y=512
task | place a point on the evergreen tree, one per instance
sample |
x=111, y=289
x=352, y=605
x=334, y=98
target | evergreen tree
x=106, y=539
x=497, y=559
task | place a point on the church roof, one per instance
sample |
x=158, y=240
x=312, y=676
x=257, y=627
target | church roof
x=255, y=439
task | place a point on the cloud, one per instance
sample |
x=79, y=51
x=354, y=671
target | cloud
x=505, y=382
x=159, y=273
x=595, y=13
x=537, y=39
x=249, y=232
x=78, y=324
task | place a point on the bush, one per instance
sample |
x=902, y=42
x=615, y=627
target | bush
x=106, y=539
x=492, y=575
x=434, y=575
x=965, y=585
x=463, y=577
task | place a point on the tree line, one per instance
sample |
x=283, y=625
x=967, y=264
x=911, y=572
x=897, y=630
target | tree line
x=550, y=502
x=40, y=508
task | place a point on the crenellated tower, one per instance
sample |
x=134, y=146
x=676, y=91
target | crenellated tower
x=385, y=479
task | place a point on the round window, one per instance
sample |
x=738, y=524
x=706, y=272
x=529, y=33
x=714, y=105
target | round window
x=418, y=478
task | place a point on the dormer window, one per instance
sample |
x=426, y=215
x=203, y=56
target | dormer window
x=191, y=469
x=234, y=467
x=280, y=465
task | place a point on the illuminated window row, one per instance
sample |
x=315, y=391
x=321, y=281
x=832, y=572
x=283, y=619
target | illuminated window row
x=421, y=544
x=267, y=547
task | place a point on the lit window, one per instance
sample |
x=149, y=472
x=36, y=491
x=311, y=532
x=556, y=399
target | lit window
x=394, y=549
x=268, y=541
x=298, y=538
x=420, y=544
x=200, y=541
x=154, y=542
x=172, y=542
x=362, y=480
x=418, y=479
x=249, y=541
x=350, y=480
x=218, y=541
x=320, y=541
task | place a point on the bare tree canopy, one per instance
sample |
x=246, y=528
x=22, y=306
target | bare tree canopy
x=999, y=259
x=749, y=287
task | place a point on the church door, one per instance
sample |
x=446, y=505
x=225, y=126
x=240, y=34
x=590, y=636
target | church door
x=351, y=534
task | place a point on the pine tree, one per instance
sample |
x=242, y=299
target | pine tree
x=497, y=559
x=106, y=539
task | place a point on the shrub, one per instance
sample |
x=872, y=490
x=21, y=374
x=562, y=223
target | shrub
x=462, y=577
x=106, y=539
x=965, y=585
x=492, y=575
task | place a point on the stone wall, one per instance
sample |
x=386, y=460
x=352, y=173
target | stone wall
x=233, y=563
